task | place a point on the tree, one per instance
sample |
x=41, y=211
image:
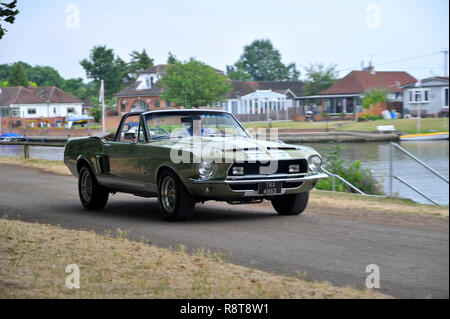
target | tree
x=193, y=84
x=139, y=62
x=374, y=97
x=171, y=59
x=45, y=76
x=262, y=62
x=238, y=72
x=319, y=78
x=8, y=14
x=102, y=65
x=17, y=76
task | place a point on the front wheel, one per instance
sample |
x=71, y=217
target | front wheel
x=292, y=204
x=92, y=195
x=175, y=201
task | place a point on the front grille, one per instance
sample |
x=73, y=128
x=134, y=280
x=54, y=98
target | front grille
x=277, y=167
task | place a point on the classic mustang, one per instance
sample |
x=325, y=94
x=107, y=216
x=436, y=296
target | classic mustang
x=189, y=156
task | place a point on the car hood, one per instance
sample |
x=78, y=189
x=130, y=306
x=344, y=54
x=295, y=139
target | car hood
x=249, y=148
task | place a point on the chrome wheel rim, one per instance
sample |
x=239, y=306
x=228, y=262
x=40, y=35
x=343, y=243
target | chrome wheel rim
x=168, y=194
x=86, y=186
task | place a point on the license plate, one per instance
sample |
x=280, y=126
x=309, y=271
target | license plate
x=269, y=188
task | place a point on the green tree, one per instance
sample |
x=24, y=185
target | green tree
x=45, y=76
x=17, y=76
x=193, y=84
x=102, y=65
x=8, y=14
x=238, y=72
x=374, y=97
x=171, y=59
x=262, y=62
x=139, y=62
x=319, y=78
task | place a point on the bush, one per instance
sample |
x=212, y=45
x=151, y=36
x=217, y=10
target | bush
x=360, y=177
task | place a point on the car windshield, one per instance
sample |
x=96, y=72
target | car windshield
x=184, y=124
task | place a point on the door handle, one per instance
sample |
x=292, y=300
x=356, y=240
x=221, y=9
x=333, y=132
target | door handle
x=106, y=145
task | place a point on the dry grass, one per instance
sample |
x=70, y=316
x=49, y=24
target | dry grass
x=56, y=167
x=391, y=205
x=33, y=259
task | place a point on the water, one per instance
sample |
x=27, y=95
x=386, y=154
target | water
x=374, y=156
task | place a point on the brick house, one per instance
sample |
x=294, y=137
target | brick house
x=345, y=96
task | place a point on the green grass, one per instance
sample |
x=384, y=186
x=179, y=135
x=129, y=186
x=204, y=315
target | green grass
x=428, y=125
x=293, y=125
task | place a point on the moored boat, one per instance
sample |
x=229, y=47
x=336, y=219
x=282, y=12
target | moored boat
x=424, y=136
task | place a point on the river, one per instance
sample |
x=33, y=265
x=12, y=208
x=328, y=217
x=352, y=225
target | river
x=374, y=156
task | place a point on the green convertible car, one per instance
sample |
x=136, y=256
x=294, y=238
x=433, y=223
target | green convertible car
x=189, y=156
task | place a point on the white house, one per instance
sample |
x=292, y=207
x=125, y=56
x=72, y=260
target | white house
x=49, y=103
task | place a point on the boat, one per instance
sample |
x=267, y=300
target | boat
x=424, y=136
x=11, y=137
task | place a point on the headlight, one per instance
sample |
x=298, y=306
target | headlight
x=314, y=163
x=206, y=169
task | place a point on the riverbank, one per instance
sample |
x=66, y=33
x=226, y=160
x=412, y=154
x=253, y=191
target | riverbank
x=35, y=256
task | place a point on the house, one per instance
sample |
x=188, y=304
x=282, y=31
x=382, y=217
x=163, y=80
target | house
x=49, y=104
x=430, y=95
x=285, y=95
x=144, y=94
x=345, y=96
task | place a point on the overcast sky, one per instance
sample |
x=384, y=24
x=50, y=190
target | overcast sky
x=339, y=32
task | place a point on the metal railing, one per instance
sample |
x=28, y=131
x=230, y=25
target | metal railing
x=356, y=189
x=394, y=146
x=26, y=146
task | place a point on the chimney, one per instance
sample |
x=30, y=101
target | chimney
x=370, y=68
x=31, y=88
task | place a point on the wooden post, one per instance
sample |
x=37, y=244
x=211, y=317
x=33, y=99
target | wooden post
x=26, y=151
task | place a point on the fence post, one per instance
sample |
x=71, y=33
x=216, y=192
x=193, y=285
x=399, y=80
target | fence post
x=26, y=151
x=391, y=173
x=333, y=183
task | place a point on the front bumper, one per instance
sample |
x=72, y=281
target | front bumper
x=235, y=188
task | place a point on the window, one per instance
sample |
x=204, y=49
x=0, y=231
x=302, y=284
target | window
x=15, y=112
x=70, y=110
x=446, y=97
x=31, y=111
x=54, y=110
x=156, y=103
x=123, y=106
x=148, y=83
x=418, y=96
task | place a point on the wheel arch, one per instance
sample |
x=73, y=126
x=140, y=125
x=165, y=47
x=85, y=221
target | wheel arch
x=170, y=168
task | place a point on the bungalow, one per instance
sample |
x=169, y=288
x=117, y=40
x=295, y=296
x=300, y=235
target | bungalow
x=345, y=96
x=50, y=104
x=430, y=94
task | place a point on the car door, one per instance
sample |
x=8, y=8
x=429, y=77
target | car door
x=123, y=155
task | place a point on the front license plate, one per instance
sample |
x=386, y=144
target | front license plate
x=269, y=188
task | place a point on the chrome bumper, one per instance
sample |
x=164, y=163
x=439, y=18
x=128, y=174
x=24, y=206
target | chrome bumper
x=260, y=178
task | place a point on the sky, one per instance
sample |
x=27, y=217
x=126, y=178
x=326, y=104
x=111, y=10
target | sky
x=388, y=33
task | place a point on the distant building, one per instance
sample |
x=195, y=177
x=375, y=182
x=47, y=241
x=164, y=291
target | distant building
x=286, y=94
x=345, y=96
x=431, y=95
x=47, y=103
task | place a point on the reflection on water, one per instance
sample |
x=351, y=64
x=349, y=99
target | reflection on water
x=372, y=155
x=375, y=156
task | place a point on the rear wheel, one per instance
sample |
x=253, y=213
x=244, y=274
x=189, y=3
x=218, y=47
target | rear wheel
x=292, y=204
x=92, y=195
x=175, y=201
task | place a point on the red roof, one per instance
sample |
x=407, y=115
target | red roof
x=358, y=81
x=40, y=95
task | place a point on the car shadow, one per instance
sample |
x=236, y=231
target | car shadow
x=146, y=210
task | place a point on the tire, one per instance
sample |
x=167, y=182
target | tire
x=92, y=195
x=175, y=201
x=292, y=204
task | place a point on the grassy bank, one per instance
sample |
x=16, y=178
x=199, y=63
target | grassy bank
x=56, y=167
x=428, y=125
x=33, y=259
x=294, y=125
